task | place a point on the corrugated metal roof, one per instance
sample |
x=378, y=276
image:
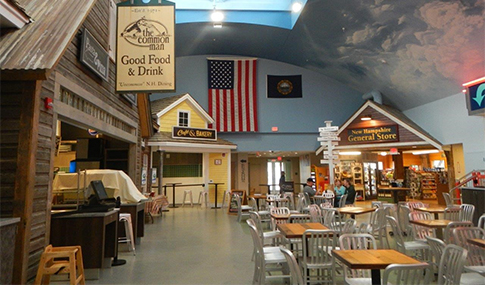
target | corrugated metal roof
x=40, y=44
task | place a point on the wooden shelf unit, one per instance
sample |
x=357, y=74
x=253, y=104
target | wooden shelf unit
x=429, y=181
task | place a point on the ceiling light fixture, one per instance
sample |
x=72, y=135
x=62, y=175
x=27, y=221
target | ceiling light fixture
x=217, y=25
x=383, y=153
x=428, y=151
x=366, y=118
x=350, y=153
x=296, y=7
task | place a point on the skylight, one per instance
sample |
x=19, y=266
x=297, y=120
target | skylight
x=275, y=13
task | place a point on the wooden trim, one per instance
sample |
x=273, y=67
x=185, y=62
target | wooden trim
x=145, y=115
x=51, y=176
x=78, y=90
x=70, y=114
x=25, y=75
x=25, y=177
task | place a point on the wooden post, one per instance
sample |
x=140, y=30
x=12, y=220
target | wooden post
x=398, y=166
x=25, y=176
x=161, y=153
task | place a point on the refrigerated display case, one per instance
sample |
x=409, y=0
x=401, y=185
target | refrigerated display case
x=370, y=180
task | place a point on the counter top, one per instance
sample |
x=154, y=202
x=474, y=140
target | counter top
x=86, y=215
x=8, y=221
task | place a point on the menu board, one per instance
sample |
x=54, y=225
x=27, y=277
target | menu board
x=233, y=202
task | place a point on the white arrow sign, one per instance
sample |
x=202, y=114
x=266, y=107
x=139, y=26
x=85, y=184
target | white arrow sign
x=327, y=143
x=323, y=161
x=322, y=134
x=322, y=139
x=335, y=152
x=328, y=129
x=326, y=156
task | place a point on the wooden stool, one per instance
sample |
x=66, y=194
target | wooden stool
x=61, y=260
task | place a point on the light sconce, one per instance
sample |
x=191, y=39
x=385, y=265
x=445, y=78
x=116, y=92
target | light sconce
x=366, y=118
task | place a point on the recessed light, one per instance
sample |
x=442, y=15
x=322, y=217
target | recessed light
x=217, y=16
x=366, y=118
x=296, y=7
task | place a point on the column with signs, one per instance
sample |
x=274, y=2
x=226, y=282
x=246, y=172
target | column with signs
x=328, y=139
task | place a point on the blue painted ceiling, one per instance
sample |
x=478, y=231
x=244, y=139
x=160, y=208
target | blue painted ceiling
x=413, y=51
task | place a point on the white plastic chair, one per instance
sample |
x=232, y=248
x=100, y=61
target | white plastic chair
x=419, y=249
x=203, y=197
x=476, y=256
x=378, y=226
x=273, y=236
x=481, y=221
x=316, y=259
x=299, y=218
x=437, y=246
x=452, y=213
x=242, y=210
x=448, y=231
x=191, y=200
x=129, y=238
x=451, y=265
x=227, y=195
x=267, y=259
x=466, y=212
x=316, y=213
x=295, y=271
x=420, y=232
x=415, y=274
x=448, y=200
x=357, y=242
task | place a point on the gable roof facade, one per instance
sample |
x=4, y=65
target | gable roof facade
x=162, y=106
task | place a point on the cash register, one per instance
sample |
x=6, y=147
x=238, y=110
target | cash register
x=99, y=202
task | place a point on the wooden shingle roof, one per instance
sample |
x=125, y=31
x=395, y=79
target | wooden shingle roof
x=36, y=48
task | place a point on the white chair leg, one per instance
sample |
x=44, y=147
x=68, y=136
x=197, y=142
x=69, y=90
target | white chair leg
x=191, y=199
x=183, y=201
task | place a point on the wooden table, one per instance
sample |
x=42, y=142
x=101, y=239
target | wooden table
x=355, y=210
x=434, y=224
x=477, y=242
x=373, y=259
x=258, y=197
x=137, y=212
x=296, y=230
x=435, y=209
x=96, y=233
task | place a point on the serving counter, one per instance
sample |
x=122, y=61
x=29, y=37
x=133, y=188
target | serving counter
x=392, y=194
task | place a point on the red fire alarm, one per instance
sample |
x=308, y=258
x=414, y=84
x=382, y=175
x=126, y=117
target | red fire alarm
x=48, y=104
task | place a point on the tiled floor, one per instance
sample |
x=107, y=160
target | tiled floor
x=190, y=246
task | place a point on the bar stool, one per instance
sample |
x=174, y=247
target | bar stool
x=227, y=194
x=64, y=260
x=129, y=237
x=203, y=196
x=190, y=196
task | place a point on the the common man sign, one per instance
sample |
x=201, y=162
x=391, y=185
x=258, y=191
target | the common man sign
x=145, y=50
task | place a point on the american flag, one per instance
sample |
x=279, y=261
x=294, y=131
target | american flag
x=232, y=95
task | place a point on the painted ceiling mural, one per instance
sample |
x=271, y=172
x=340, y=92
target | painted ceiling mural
x=413, y=51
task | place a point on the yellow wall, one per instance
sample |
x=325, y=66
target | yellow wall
x=170, y=119
x=458, y=160
x=218, y=174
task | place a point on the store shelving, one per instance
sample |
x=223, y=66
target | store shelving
x=428, y=185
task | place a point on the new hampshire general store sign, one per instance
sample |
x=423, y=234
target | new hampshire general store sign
x=377, y=134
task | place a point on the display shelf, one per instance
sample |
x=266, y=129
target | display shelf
x=428, y=185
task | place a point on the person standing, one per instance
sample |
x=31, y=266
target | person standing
x=350, y=191
x=282, y=182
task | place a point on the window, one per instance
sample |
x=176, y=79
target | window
x=183, y=119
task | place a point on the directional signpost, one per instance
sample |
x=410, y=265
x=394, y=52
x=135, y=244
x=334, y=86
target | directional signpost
x=329, y=140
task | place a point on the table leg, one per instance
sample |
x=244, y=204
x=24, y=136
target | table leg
x=173, y=198
x=215, y=205
x=376, y=276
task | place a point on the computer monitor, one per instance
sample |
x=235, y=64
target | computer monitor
x=99, y=191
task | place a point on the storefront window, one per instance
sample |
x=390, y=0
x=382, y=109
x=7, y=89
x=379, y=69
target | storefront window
x=182, y=165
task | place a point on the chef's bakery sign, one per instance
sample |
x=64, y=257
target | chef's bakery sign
x=145, y=51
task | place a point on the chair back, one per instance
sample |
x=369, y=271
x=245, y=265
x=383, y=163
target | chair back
x=317, y=245
x=253, y=204
x=257, y=222
x=397, y=234
x=376, y=204
x=452, y=213
x=316, y=214
x=437, y=246
x=280, y=211
x=420, y=232
x=291, y=200
x=414, y=205
x=448, y=200
x=342, y=201
x=415, y=274
x=238, y=202
x=466, y=212
x=295, y=271
x=475, y=253
x=299, y=218
x=481, y=221
x=357, y=241
x=451, y=265
x=403, y=218
x=349, y=226
x=448, y=231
